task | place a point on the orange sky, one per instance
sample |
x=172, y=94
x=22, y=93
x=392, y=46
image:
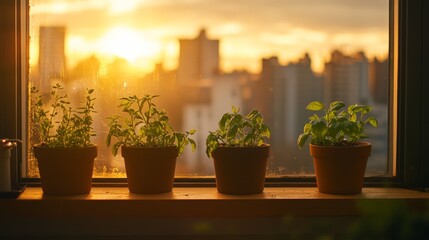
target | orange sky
x=147, y=31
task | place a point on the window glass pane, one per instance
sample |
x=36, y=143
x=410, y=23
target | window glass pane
x=203, y=56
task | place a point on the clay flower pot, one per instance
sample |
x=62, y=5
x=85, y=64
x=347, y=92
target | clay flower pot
x=241, y=170
x=340, y=169
x=65, y=171
x=150, y=169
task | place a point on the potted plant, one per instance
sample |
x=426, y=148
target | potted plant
x=239, y=152
x=65, y=154
x=149, y=144
x=339, y=156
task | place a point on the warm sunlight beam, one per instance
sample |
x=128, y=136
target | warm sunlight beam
x=129, y=44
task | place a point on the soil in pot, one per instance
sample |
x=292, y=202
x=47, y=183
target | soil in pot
x=340, y=170
x=150, y=170
x=65, y=171
x=241, y=170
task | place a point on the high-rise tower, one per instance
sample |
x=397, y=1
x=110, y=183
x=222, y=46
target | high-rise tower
x=346, y=78
x=379, y=80
x=198, y=58
x=52, y=60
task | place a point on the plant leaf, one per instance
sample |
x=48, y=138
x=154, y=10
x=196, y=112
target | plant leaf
x=319, y=128
x=353, y=117
x=193, y=144
x=235, y=110
x=315, y=106
x=223, y=121
x=372, y=121
x=302, y=139
x=108, y=139
x=232, y=132
x=335, y=106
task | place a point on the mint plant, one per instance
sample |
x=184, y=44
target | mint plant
x=336, y=127
x=145, y=126
x=236, y=130
x=61, y=125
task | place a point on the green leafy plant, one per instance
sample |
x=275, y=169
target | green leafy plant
x=61, y=125
x=336, y=127
x=145, y=126
x=238, y=130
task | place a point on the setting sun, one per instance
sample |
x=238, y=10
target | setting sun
x=136, y=31
x=130, y=44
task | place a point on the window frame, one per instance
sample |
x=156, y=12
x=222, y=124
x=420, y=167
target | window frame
x=411, y=69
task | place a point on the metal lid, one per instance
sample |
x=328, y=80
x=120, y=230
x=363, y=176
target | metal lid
x=8, y=143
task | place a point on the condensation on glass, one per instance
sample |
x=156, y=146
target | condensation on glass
x=202, y=57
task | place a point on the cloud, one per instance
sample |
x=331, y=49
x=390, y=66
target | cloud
x=335, y=15
x=330, y=16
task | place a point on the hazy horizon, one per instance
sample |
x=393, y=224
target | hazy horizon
x=145, y=32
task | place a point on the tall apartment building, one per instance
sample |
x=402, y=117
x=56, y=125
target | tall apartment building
x=221, y=92
x=198, y=58
x=205, y=95
x=353, y=79
x=262, y=90
x=294, y=86
x=346, y=78
x=379, y=80
x=52, y=59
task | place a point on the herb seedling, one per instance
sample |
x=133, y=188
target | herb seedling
x=61, y=125
x=145, y=126
x=238, y=130
x=336, y=127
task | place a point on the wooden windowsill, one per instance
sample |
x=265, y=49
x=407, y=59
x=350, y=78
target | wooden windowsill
x=195, y=213
x=203, y=202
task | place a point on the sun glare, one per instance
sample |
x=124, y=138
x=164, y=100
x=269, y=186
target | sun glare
x=121, y=6
x=129, y=44
x=242, y=46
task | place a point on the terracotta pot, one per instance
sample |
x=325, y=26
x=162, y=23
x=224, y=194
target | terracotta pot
x=241, y=170
x=150, y=170
x=65, y=171
x=340, y=170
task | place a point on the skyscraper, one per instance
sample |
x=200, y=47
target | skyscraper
x=346, y=78
x=198, y=58
x=379, y=80
x=294, y=86
x=52, y=59
x=205, y=94
x=220, y=93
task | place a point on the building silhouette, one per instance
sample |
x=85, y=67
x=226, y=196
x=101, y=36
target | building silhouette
x=355, y=80
x=379, y=80
x=297, y=87
x=52, y=59
x=379, y=95
x=198, y=58
x=218, y=94
x=346, y=78
x=204, y=95
x=282, y=92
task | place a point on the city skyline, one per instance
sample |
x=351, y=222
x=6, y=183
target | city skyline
x=279, y=91
x=114, y=58
x=147, y=32
x=279, y=86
